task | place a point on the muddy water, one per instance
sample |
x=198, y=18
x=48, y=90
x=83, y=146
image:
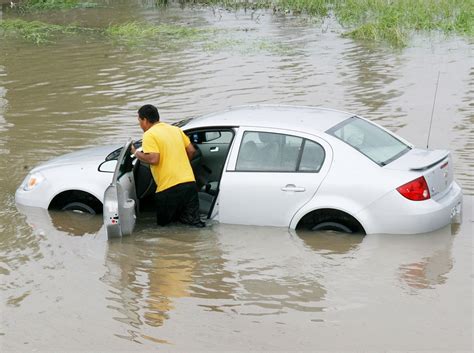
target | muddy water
x=64, y=287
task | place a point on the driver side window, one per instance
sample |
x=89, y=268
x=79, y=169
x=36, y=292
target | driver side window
x=213, y=146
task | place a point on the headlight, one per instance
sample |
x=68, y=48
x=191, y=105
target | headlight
x=32, y=181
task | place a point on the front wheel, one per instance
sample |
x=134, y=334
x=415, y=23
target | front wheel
x=334, y=226
x=79, y=207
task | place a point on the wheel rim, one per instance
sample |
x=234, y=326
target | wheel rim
x=79, y=207
x=335, y=226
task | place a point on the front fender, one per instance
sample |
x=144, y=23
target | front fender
x=60, y=180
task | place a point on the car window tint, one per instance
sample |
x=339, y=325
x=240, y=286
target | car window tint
x=263, y=151
x=372, y=141
x=312, y=158
x=221, y=137
x=114, y=155
x=126, y=164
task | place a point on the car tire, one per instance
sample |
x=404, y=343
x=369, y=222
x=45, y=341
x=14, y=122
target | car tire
x=335, y=226
x=79, y=207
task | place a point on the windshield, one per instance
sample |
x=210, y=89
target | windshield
x=370, y=140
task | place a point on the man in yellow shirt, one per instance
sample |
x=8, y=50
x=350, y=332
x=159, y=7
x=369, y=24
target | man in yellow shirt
x=169, y=151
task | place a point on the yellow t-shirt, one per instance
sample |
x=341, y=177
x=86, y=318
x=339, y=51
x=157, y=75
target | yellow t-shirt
x=170, y=142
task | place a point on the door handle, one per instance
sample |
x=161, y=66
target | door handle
x=293, y=187
x=214, y=149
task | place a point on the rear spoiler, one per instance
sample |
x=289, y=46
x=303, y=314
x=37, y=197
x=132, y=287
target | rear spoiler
x=428, y=159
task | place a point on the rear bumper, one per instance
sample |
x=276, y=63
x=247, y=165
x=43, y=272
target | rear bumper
x=395, y=214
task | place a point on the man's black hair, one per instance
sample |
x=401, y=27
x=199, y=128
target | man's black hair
x=149, y=112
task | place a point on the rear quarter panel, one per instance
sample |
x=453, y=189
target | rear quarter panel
x=353, y=183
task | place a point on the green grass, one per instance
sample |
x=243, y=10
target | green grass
x=134, y=33
x=235, y=4
x=393, y=21
x=387, y=21
x=42, y=5
x=34, y=31
x=390, y=21
x=320, y=8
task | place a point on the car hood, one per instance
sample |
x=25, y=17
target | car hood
x=87, y=155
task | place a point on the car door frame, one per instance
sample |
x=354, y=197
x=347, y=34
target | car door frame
x=213, y=211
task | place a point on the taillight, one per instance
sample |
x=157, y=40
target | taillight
x=415, y=190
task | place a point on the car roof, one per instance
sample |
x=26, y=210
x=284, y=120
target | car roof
x=301, y=118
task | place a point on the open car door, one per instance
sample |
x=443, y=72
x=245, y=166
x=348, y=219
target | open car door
x=120, y=200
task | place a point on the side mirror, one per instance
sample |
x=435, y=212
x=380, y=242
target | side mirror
x=212, y=135
x=108, y=166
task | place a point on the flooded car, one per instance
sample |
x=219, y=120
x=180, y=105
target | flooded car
x=269, y=165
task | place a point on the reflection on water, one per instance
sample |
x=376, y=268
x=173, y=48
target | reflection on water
x=225, y=286
x=371, y=76
x=74, y=223
x=159, y=279
x=222, y=268
x=331, y=243
x=429, y=271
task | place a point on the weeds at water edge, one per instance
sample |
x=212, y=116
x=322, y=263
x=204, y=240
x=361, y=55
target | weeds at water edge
x=372, y=20
x=132, y=33
x=376, y=20
x=43, y=5
x=34, y=31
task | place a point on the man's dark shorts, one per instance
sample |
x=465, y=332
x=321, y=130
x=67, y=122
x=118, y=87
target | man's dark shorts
x=179, y=203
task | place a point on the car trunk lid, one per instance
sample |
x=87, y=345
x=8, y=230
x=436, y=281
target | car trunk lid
x=434, y=165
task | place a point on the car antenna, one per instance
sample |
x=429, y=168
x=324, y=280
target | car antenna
x=432, y=111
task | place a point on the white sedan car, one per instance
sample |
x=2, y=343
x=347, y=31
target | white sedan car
x=284, y=166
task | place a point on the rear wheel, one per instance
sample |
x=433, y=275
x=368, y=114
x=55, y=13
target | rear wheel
x=330, y=219
x=79, y=207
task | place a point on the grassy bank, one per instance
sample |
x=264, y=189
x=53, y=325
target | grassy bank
x=393, y=21
x=390, y=21
x=40, y=5
x=35, y=31
x=132, y=33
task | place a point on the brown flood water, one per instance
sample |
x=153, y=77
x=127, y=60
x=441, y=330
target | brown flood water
x=65, y=288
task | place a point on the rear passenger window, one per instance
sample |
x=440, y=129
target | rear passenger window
x=270, y=152
x=312, y=158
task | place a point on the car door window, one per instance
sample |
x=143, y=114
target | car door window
x=312, y=158
x=273, y=152
x=126, y=164
x=213, y=146
x=264, y=151
x=217, y=137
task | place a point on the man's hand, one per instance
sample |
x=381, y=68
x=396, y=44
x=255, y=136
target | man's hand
x=150, y=158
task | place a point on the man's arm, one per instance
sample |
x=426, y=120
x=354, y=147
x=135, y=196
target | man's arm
x=190, y=150
x=150, y=158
